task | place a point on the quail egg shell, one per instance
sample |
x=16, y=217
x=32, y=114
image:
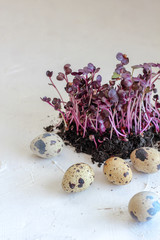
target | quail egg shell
x=143, y=206
x=117, y=171
x=47, y=145
x=146, y=159
x=78, y=178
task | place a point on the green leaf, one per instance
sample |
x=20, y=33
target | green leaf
x=115, y=75
x=147, y=90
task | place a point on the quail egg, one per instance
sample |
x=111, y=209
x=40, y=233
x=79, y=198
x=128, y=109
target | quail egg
x=47, y=145
x=78, y=178
x=143, y=206
x=146, y=159
x=117, y=171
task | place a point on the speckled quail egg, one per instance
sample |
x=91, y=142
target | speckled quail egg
x=78, y=178
x=47, y=145
x=146, y=159
x=143, y=206
x=117, y=171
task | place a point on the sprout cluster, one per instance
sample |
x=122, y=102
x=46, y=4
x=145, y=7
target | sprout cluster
x=123, y=105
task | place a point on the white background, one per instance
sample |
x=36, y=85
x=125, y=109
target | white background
x=36, y=36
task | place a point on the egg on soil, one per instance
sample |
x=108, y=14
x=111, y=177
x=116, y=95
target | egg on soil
x=143, y=206
x=78, y=178
x=47, y=145
x=117, y=171
x=146, y=159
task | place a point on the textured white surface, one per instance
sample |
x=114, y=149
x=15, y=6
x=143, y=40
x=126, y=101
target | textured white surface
x=39, y=35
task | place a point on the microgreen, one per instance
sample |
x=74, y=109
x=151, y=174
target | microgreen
x=123, y=105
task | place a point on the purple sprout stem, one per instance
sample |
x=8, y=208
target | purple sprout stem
x=97, y=118
x=156, y=125
x=135, y=116
x=156, y=111
x=95, y=141
x=76, y=121
x=100, y=141
x=140, y=113
x=117, y=132
x=144, y=110
x=90, y=99
x=154, y=79
x=123, y=121
x=85, y=126
x=128, y=115
x=113, y=124
x=71, y=120
x=133, y=105
x=117, y=120
x=68, y=113
x=56, y=90
x=66, y=78
x=146, y=126
x=92, y=123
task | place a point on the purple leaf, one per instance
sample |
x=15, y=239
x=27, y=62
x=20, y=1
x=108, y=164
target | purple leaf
x=46, y=99
x=97, y=70
x=67, y=66
x=60, y=76
x=99, y=78
x=119, y=56
x=49, y=73
x=91, y=67
x=112, y=94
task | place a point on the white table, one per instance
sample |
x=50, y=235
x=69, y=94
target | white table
x=36, y=36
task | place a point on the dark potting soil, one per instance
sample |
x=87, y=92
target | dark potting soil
x=107, y=148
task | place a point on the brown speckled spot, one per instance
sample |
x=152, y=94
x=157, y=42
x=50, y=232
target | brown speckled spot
x=110, y=175
x=52, y=142
x=81, y=182
x=72, y=185
x=58, y=150
x=115, y=158
x=126, y=181
x=77, y=170
x=125, y=174
x=158, y=166
x=141, y=154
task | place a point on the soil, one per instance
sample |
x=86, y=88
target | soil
x=109, y=147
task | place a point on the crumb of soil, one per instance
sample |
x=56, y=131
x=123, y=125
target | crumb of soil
x=109, y=147
x=50, y=128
